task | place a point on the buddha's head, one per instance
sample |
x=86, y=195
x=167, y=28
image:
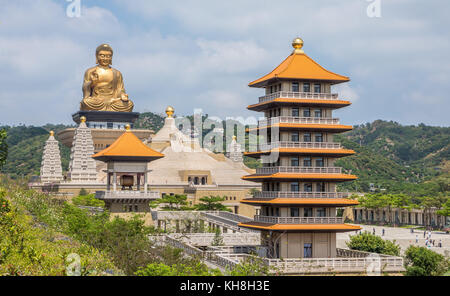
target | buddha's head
x=104, y=55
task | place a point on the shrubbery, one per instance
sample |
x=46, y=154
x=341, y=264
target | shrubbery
x=28, y=247
x=368, y=242
x=420, y=261
x=88, y=200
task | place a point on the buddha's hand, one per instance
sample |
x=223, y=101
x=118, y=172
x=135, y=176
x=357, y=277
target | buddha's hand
x=124, y=97
x=94, y=76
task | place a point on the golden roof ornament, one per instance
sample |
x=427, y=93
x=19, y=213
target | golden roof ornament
x=83, y=119
x=127, y=127
x=297, y=44
x=170, y=111
x=52, y=133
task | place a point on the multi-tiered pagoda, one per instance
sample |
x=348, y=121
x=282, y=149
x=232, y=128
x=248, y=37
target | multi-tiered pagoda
x=299, y=202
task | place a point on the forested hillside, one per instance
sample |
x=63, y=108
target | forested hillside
x=392, y=157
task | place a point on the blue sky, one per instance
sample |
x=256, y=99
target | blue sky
x=202, y=54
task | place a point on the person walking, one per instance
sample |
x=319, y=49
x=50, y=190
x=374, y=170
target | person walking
x=417, y=239
x=424, y=233
x=382, y=232
x=440, y=243
x=374, y=231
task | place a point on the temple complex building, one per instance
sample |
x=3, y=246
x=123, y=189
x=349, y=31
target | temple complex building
x=51, y=170
x=298, y=216
x=189, y=169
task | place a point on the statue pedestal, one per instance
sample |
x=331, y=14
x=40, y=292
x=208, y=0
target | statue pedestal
x=99, y=117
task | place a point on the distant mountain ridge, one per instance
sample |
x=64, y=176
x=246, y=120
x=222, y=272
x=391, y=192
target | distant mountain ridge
x=389, y=155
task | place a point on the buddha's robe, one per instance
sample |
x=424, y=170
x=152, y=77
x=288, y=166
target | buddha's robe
x=106, y=93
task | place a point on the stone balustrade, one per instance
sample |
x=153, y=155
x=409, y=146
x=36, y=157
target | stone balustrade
x=297, y=120
x=293, y=194
x=298, y=170
x=298, y=220
x=295, y=145
x=298, y=95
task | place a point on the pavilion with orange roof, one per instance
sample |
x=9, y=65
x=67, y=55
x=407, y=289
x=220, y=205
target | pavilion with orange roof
x=299, y=201
x=127, y=166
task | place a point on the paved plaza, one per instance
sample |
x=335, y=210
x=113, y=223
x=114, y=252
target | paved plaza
x=403, y=237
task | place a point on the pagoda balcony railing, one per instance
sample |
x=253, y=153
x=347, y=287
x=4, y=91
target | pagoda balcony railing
x=299, y=120
x=127, y=194
x=294, y=194
x=298, y=95
x=298, y=170
x=286, y=144
x=298, y=220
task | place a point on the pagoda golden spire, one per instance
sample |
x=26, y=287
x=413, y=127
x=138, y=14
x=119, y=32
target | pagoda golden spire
x=297, y=44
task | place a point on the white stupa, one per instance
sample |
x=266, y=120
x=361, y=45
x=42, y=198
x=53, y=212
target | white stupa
x=234, y=151
x=82, y=167
x=51, y=170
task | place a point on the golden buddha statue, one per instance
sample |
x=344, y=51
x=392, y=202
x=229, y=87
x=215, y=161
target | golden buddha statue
x=103, y=88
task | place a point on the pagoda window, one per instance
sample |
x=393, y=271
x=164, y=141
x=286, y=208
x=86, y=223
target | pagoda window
x=307, y=187
x=295, y=187
x=307, y=250
x=136, y=208
x=196, y=180
x=295, y=137
x=306, y=112
x=295, y=112
x=203, y=180
x=306, y=87
x=307, y=137
x=319, y=138
x=318, y=113
x=295, y=212
x=320, y=162
x=321, y=212
x=109, y=125
x=317, y=87
x=189, y=179
x=307, y=161
x=295, y=87
x=294, y=161
x=130, y=208
x=320, y=187
x=307, y=212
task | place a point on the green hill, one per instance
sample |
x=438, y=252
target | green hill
x=393, y=157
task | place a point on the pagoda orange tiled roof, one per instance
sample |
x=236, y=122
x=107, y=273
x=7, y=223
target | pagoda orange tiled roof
x=128, y=145
x=302, y=201
x=297, y=227
x=299, y=66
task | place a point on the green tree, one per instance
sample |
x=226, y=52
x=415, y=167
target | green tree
x=83, y=192
x=176, y=202
x=212, y=203
x=251, y=266
x=88, y=200
x=420, y=261
x=3, y=147
x=218, y=239
x=368, y=242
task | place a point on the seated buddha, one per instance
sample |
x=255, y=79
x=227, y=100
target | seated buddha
x=103, y=88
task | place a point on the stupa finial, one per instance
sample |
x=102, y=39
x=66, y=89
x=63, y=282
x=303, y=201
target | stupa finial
x=170, y=111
